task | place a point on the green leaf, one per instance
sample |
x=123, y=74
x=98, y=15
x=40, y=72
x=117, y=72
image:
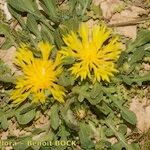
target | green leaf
x=51, y=7
x=4, y=28
x=70, y=120
x=122, y=141
x=72, y=4
x=46, y=34
x=28, y=108
x=45, y=136
x=147, y=54
x=127, y=80
x=96, y=9
x=122, y=129
x=54, y=120
x=136, y=79
x=5, y=74
x=102, y=145
x=32, y=25
x=68, y=61
x=7, y=44
x=94, y=129
x=6, y=31
x=118, y=146
x=96, y=95
x=84, y=135
x=63, y=133
x=122, y=59
x=135, y=146
x=109, y=132
x=85, y=4
x=143, y=38
x=17, y=16
x=4, y=116
x=4, y=69
x=96, y=100
x=66, y=79
x=95, y=91
x=21, y=5
x=7, y=78
x=128, y=115
x=137, y=56
x=37, y=10
x=44, y=7
x=68, y=115
x=81, y=98
x=104, y=108
x=58, y=38
x=82, y=91
x=37, y=131
x=4, y=122
x=25, y=118
x=70, y=24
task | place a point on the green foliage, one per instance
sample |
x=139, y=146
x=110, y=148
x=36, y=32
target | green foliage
x=25, y=118
x=3, y=120
x=54, y=117
x=45, y=20
x=84, y=135
x=9, y=38
x=131, y=60
x=105, y=106
x=5, y=73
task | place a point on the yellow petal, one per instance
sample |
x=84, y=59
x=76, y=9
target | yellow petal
x=45, y=48
x=38, y=75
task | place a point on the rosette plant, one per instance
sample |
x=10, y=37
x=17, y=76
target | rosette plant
x=74, y=78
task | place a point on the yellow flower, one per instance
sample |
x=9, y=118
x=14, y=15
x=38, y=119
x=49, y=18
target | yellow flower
x=95, y=52
x=39, y=75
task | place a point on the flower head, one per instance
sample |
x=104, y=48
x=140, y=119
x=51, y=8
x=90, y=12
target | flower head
x=95, y=52
x=39, y=75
